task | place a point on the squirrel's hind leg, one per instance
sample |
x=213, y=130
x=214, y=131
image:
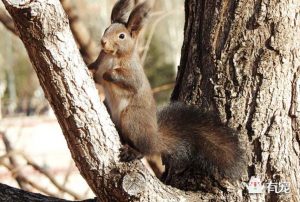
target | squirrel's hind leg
x=172, y=168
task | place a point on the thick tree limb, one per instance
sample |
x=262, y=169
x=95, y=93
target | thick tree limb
x=10, y=194
x=90, y=134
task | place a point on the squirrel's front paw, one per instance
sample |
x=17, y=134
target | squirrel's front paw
x=128, y=154
x=110, y=75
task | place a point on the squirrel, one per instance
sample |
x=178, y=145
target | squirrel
x=182, y=134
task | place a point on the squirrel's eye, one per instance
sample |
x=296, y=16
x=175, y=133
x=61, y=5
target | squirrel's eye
x=122, y=36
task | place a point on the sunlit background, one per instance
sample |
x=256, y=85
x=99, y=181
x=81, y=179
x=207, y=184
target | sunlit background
x=33, y=151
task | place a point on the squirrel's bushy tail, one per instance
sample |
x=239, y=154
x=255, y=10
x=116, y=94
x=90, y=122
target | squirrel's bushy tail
x=198, y=140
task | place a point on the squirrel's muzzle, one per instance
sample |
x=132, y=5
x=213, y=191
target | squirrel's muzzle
x=103, y=43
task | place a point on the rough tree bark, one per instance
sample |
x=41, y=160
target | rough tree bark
x=89, y=132
x=8, y=194
x=242, y=59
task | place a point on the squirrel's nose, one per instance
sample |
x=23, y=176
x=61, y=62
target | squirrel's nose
x=103, y=42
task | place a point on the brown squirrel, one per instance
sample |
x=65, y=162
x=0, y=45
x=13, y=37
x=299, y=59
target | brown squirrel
x=181, y=134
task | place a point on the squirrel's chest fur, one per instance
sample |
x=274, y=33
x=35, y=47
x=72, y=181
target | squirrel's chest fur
x=117, y=97
x=116, y=101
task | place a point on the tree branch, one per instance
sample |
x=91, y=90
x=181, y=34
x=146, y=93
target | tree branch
x=7, y=21
x=10, y=194
x=29, y=182
x=163, y=87
x=88, y=48
x=13, y=160
x=22, y=179
x=90, y=134
x=51, y=178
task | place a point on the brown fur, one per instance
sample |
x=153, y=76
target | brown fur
x=202, y=142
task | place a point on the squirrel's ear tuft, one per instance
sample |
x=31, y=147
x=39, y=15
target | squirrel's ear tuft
x=121, y=11
x=138, y=18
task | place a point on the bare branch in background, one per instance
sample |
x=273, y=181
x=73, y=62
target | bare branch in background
x=7, y=21
x=87, y=46
x=13, y=161
x=151, y=33
x=51, y=178
x=164, y=87
x=22, y=180
x=68, y=173
x=28, y=181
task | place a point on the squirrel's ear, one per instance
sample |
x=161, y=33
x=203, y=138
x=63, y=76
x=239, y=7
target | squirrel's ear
x=138, y=18
x=121, y=11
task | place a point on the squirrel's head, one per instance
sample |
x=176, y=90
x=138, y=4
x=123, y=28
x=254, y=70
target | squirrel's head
x=127, y=21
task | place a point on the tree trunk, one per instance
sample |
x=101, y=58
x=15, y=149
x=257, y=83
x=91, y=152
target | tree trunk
x=241, y=59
